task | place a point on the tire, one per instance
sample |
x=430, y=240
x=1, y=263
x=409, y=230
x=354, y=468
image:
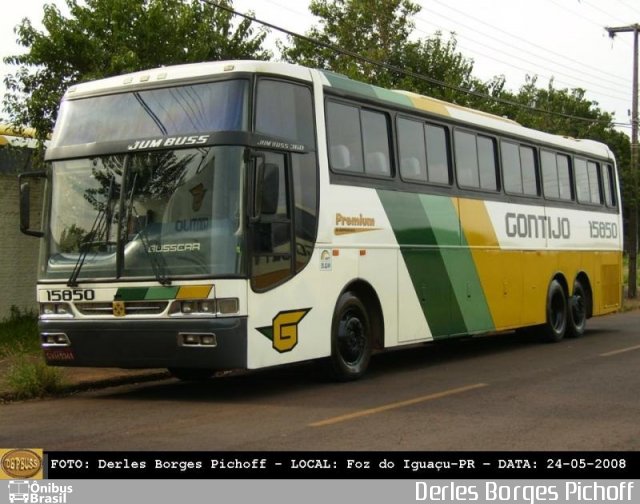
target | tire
x=577, y=307
x=350, y=339
x=188, y=374
x=557, y=313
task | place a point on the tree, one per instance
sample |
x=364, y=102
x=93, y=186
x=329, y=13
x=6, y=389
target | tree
x=379, y=30
x=102, y=38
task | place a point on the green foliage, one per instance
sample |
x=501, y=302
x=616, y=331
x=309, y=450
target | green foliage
x=376, y=29
x=28, y=378
x=102, y=38
x=19, y=333
x=380, y=30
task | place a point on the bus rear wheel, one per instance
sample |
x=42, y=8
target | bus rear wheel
x=578, y=303
x=351, y=341
x=557, y=313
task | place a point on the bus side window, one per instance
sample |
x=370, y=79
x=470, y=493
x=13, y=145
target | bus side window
x=466, y=159
x=582, y=180
x=271, y=242
x=511, y=171
x=375, y=136
x=487, y=163
x=476, y=161
x=411, y=147
x=437, y=154
x=593, y=170
x=550, y=184
x=284, y=109
x=564, y=177
x=609, y=185
x=345, y=137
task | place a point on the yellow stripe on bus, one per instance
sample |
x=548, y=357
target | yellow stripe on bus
x=194, y=292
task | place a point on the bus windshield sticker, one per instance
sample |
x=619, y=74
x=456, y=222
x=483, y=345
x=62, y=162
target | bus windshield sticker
x=325, y=260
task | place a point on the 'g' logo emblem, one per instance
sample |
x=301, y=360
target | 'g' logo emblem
x=284, y=329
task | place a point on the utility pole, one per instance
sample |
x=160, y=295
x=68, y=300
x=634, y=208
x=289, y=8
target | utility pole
x=633, y=216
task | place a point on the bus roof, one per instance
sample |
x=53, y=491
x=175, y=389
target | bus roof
x=178, y=73
x=202, y=71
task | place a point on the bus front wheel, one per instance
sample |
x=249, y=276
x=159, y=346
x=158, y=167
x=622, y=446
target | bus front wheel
x=557, y=313
x=350, y=338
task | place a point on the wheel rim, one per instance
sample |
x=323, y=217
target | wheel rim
x=352, y=337
x=558, y=317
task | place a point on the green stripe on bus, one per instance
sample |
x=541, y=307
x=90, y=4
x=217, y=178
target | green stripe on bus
x=341, y=82
x=458, y=260
x=393, y=97
x=345, y=84
x=441, y=267
x=423, y=257
x=131, y=293
x=146, y=293
x=155, y=293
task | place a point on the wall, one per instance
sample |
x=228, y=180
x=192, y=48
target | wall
x=18, y=252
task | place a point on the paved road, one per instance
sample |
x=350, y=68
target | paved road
x=492, y=393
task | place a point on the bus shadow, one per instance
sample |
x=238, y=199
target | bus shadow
x=242, y=386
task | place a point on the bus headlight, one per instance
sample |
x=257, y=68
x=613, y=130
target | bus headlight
x=210, y=307
x=228, y=306
x=55, y=309
x=207, y=306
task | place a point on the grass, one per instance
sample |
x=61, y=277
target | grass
x=28, y=377
x=25, y=373
x=19, y=334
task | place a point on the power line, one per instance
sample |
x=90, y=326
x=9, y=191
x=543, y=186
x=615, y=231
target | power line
x=508, y=54
x=399, y=70
x=619, y=98
x=595, y=23
x=544, y=49
x=631, y=7
x=588, y=4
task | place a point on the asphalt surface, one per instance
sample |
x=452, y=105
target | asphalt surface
x=505, y=392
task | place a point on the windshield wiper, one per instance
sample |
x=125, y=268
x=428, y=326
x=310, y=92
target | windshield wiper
x=158, y=265
x=99, y=228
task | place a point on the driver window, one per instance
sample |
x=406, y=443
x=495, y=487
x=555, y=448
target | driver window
x=271, y=237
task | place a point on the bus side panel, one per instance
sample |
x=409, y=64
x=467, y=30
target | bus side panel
x=361, y=227
x=412, y=324
x=292, y=322
x=442, y=270
x=379, y=267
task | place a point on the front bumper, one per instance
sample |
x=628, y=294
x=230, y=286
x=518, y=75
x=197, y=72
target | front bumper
x=139, y=344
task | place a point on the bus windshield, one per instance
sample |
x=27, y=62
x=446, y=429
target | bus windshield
x=183, y=110
x=154, y=214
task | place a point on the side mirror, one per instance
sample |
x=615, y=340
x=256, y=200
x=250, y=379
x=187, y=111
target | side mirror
x=25, y=202
x=265, y=188
x=270, y=188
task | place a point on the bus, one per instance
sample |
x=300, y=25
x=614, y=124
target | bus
x=249, y=214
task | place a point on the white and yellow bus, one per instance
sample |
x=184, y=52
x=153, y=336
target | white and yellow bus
x=250, y=214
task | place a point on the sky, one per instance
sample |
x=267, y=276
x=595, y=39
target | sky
x=560, y=39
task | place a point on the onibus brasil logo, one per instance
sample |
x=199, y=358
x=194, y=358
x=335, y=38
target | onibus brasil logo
x=34, y=492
